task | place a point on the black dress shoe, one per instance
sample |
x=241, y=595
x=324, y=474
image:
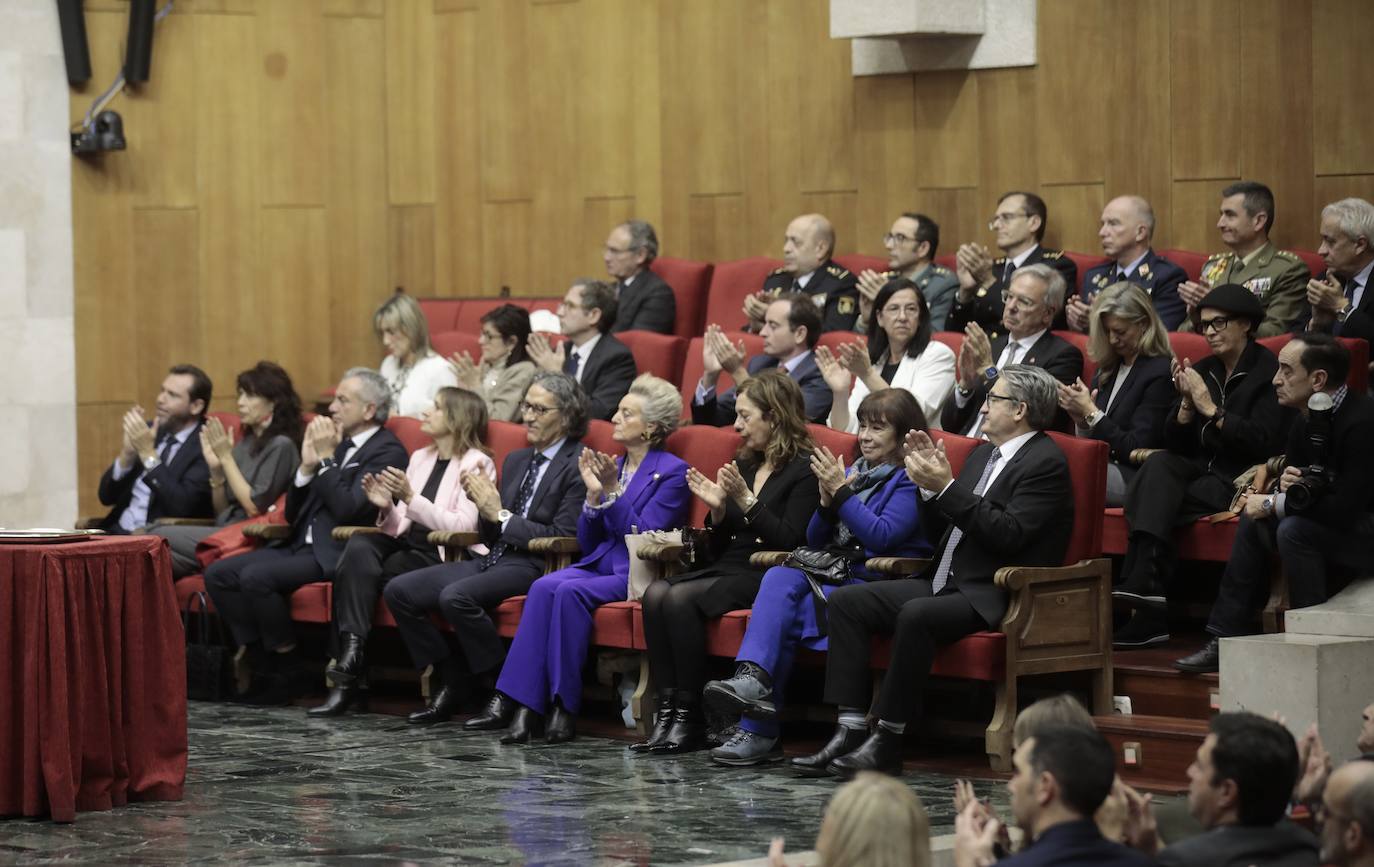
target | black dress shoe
x=441, y=707
x=663, y=719
x=340, y=699
x=1146, y=628
x=881, y=752
x=1206, y=660
x=686, y=732
x=560, y=727
x=524, y=727
x=351, y=665
x=496, y=716
x=842, y=742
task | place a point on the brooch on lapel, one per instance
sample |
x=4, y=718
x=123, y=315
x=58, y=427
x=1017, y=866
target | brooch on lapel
x=846, y=306
x=1144, y=270
x=655, y=476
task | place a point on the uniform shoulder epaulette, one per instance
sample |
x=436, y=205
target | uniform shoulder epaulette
x=890, y=274
x=1289, y=255
x=837, y=271
x=1000, y=260
x=1051, y=254
x=777, y=272
x=940, y=269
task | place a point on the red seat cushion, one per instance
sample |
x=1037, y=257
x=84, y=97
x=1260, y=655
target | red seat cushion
x=311, y=603
x=1200, y=540
x=613, y=625
x=690, y=282
x=507, y=616
x=725, y=634
x=980, y=656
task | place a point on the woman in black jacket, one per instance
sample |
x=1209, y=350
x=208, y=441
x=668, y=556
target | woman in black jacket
x=762, y=501
x=1225, y=419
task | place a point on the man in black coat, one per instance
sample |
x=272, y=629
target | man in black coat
x=591, y=355
x=541, y=494
x=1342, y=303
x=161, y=471
x=808, y=269
x=645, y=302
x=1012, y=504
x=1329, y=520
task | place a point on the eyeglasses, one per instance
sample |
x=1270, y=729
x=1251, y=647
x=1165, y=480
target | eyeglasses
x=527, y=408
x=999, y=219
x=895, y=238
x=997, y=397
x=911, y=310
x=1023, y=301
x=568, y=305
x=1216, y=323
x=618, y=251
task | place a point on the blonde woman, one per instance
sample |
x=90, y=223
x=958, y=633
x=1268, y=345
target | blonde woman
x=412, y=369
x=873, y=821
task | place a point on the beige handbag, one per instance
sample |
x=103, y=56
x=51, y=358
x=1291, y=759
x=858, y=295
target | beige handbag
x=644, y=572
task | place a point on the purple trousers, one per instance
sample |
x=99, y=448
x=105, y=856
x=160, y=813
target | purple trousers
x=550, y=647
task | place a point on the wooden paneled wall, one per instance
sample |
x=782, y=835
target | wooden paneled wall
x=293, y=160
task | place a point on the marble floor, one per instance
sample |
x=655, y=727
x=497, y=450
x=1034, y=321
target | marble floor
x=269, y=786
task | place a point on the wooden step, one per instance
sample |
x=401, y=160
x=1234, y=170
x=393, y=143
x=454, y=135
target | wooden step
x=1156, y=688
x=1154, y=752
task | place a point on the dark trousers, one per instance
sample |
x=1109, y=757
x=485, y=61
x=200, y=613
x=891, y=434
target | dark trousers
x=1308, y=550
x=675, y=632
x=918, y=624
x=369, y=561
x=462, y=594
x=1170, y=491
x=252, y=592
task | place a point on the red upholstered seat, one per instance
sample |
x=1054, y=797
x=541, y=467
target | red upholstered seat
x=231, y=423
x=613, y=625
x=691, y=366
x=312, y=603
x=407, y=430
x=1358, y=379
x=446, y=343
x=838, y=441
x=949, y=260
x=659, y=354
x=1189, y=345
x=1201, y=540
x=708, y=449
x=953, y=339
x=730, y=283
x=507, y=616
x=599, y=437
x=832, y=339
x=857, y=263
x=1315, y=263
x=504, y=437
x=1188, y=260
x=725, y=634
x=690, y=282
x=441, y=313
x=188, y=587
x=469, y=315
x=1081, y=341
x=1085, y=262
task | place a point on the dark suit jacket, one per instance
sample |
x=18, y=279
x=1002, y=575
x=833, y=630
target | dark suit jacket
x=606, y=375
x=986, y=306
x=1024, y=519
x=1159, y=277
x=832, y=284
x=646, y=304
x=1283, y=845
x=554, y=506
x=1136, y=419
x=657, y=499
x=335, y=498
x=179, y=488
x=1349, y=459
x=719, y=409
x=1360, y=322
x=1055, y=354
x=1075, y=844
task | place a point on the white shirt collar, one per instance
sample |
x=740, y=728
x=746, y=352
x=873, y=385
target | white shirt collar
x=1131, y=268
x=360, y=438
x=805, y=278
x=1018, y=261
x=1362, y=278
x=585, y=350
x=791, y=364
x=1026, y=342
x=552, y=451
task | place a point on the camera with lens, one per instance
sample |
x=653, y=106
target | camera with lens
x=1316, y=479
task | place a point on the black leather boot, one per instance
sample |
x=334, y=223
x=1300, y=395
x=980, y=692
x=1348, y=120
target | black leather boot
x=687, y=731
x=525, y=726
x=351, y=665
x=881, y=752
x=497, y=715
x=442, y=705
x=340, y=699
x=560, y=727
x=842, y=742
x=663, y=719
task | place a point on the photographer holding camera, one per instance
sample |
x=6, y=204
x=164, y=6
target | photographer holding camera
x=1322, y=514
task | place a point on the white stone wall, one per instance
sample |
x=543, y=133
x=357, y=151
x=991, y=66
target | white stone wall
x=38, y=365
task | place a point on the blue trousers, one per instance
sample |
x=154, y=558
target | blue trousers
x=550, y=647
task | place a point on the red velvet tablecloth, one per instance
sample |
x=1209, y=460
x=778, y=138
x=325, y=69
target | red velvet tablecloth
x=92, y=677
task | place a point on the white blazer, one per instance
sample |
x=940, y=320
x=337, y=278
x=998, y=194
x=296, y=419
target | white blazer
x=929, y=377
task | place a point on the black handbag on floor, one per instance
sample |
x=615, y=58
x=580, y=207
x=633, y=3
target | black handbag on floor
x=207, y=656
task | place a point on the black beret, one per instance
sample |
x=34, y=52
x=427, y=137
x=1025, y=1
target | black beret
x=1234, y=299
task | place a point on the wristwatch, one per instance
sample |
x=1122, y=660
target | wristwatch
x=504, y=515
x=1267, y=504
x=990, y=374
x=1094, y=418
x=1344, y=311
x=327, y=464
x=150, y=462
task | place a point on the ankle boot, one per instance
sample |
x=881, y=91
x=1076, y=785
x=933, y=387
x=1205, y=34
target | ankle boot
x=881, y=752
x=351, y=665
x=340, y=699
x=842, y=742
x=560, y=727
x=663, y=719
x=687, y=731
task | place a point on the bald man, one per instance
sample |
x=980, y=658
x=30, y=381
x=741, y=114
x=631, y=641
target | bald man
x=1126, y=229
x=806, y=252
x=1347, y=816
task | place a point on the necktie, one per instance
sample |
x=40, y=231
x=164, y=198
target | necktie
x=164, y=454
x=1007, y=272
x=342, y=450
x=1121, y=276
x=1012, y=348
x=947, y=558
x=522, y=501
x=570, y=363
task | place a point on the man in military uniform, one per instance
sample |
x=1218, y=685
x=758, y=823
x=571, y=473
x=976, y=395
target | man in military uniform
x=1019, y=224
x=1276, y=277
x=806, y=250
x=911, y=246
x=1128, y=224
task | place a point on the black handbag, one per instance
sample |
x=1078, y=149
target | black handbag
x=825, y=565
x=207, y=654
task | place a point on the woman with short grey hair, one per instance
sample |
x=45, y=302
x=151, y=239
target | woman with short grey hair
x=661, y=406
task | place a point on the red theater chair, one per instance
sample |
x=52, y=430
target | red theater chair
x=857, y=263
x=1315, y=263
x=730, y=283
x=692, y=366
x=690, y=281
x=841, y=444
x=1081, y=341
x=1187, y=260
x=659, y=354
x=832, y=339
x=440, y=313
x=446, y=343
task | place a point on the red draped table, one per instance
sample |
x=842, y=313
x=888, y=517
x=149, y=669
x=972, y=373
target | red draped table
x=92, y=677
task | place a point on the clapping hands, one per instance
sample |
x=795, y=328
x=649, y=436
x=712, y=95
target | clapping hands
x=926, y=462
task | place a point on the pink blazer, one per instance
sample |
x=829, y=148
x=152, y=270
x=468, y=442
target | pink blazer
x=451, y=510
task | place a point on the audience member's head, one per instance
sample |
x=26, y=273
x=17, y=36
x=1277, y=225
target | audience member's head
x=362, y=400
x=770, y=417
x=1243, y=773
x=1061, y=774
x=184, y=397
x=1246, y=215
x=629, y=249
x=1227, y=317
x=912, y=240
x=1365, y=742
x=885, y=417
x=874, y=821
x=810, y=241
x=1347, y=231
x=1035, y=296
x=588, y=308
x=268, y=404
x=459, y=416
x=1057, y=710
x=1025, y=398
x=901, y=318
x=1019, y=222
x=401, y=326
x=1128, y=223
x=791, y=326
x=505, y=330
x=1312, y=361
x=654, y=410
x=1123, y=325
x=1347, y=816
x=554, y=407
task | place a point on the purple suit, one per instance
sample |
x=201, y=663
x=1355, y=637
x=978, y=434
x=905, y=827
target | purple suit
x=550, y=646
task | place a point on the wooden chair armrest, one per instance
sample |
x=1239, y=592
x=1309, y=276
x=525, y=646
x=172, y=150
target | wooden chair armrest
x=268, y=532
x=1138, y=456
x=897, y=567
x=767, y=559
x=661, y=552
x=1059, y=605
x=454, y=538
x=554, y=545
x=187, y=522
x=343, y=534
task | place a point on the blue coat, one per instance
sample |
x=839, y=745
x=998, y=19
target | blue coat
x=1159, y=277
x=657, y=499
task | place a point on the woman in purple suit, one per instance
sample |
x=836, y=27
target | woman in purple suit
x=874, y=511
x=645, y=490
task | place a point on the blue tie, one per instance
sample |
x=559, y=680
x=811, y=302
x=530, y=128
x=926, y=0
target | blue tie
x=947, y=558
x=570, y=363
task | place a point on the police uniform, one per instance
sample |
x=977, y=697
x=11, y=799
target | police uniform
x=834, y=289
x=1159, y=277
x=938, y=285
x=1277, y=278
x=987, y=304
